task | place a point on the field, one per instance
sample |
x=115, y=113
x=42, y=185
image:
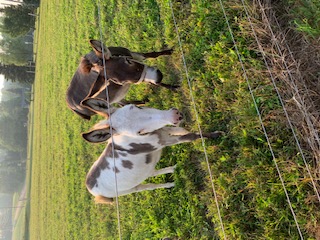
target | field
x=251, y=198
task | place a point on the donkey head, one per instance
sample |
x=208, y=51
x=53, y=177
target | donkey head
x=128, y=120
x=120, y=69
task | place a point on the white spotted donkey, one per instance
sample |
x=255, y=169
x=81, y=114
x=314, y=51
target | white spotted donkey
x=139, y=134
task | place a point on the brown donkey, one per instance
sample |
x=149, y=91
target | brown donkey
x=122, y=67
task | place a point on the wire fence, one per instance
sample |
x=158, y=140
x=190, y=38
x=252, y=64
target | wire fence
x=277, y=40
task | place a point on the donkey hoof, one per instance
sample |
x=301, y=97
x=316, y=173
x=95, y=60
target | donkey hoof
x=174, y=88
x=168, y=51
x=216, y=134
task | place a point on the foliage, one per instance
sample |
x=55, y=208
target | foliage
x=12, y=171
x=13, y=73
x=17, y=51
x=35, y=2
x=16, y=21
x=306, y=16
x=250, y=196
x=13, y=133
x=15, y=178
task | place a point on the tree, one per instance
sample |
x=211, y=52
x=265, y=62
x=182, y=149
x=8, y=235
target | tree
x=17, y=73
x=13, y=133
x=10, y=181
x=32, y=2
x=17, y=51
x=17, y=21
x=12, y=172
x=13, y=162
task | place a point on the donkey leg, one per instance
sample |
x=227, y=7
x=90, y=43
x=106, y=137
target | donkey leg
x=142, y=56
x=167, y=86
x=174, y=135
x=135, y=102
x=176, y=131
x=147, y=187
x=163, y=171
x=193, y=136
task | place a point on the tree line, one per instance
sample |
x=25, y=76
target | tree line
x=16, y=28
x=16, y=54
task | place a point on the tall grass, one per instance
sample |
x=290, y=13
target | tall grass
x=306, y=17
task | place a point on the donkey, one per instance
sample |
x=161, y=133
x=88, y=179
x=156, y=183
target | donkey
x=139, y=134
x=123, y=68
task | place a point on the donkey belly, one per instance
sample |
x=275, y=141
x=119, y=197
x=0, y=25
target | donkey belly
x=129, y=174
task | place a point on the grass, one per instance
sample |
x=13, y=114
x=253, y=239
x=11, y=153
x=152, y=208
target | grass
x=251, y=199
x=306, y=17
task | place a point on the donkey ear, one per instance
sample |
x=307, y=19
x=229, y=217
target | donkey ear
x=99, y=47
x=97, y=135
x=98, y=105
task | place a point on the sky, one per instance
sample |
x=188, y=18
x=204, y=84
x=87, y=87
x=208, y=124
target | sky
x=5, y=2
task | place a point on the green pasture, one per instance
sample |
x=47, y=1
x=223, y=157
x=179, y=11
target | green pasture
x=251, y=199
